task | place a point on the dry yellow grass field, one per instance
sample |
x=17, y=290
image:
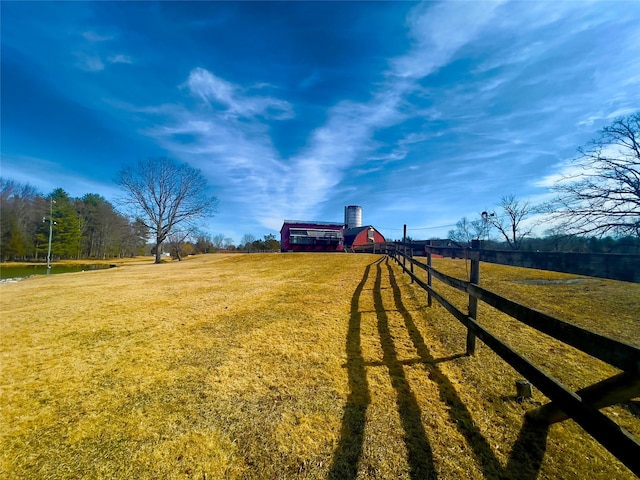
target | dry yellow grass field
x=289, y=366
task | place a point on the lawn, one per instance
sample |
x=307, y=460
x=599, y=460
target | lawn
x=288, y=366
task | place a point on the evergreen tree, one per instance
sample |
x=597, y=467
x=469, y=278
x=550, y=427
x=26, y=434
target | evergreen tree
x=67, y=231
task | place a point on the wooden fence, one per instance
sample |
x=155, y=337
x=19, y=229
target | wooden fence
x=582, y=406
x=624, y=267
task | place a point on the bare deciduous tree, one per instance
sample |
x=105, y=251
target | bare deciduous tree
x=203, y=243
x=467, y=230
x=510, y=223
x=165, y=194
x=602, y=195
x=247, y=240
x=177, y=242
x=218, y=241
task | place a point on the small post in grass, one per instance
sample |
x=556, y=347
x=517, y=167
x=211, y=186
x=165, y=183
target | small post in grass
x=523, y=390
x=473, y=301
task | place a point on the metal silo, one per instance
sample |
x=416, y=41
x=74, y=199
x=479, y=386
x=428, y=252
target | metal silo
x=353, y=216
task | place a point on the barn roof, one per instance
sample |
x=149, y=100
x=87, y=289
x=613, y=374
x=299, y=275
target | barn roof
x=355, y=230
x=310, y=224
x=351, y=233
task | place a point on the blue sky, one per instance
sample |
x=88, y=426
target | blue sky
x=421, y=113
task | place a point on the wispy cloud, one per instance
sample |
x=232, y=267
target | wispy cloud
x=56, y=175
x=438, y=33
x=119, y=58
x=436, y=108
x=215, y=90
x=346, y=139
x=89, y=62
x=233, y=134
x=225, y=135
x=94, y=52
x=490, y=123
x=232, y=142
x=94, y=37
x=577, y=168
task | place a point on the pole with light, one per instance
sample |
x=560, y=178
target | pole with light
x=51, y=222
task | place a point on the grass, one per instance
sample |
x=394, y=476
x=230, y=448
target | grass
x=93, y=261
x=288, y=366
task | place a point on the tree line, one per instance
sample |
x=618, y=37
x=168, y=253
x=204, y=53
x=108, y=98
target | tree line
x=205, y=243
x=91, y=227
x=554, y=239
x=86, y=227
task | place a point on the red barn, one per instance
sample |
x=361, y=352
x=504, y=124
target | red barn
x=300, y=236
x=361, y=236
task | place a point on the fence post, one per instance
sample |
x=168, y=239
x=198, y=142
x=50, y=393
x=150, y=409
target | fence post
x=429, y=274
x=473, y=301
x=411, y=262
x=404, y=248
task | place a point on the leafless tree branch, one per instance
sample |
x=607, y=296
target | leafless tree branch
x=603, y=197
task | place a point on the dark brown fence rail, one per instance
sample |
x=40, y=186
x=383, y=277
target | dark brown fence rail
x=582, y=406
x=603, y=265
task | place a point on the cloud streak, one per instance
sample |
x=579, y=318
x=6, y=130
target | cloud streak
x=438, y=33
x=471, y=108
x=215, y=90
x=120, y=58
x=94, y=52
x=227, y=134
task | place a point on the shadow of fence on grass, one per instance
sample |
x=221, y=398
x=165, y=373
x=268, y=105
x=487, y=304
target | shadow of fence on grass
x=420, y=457
x=526, y=454
x=347, y=456
x=528, y=450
